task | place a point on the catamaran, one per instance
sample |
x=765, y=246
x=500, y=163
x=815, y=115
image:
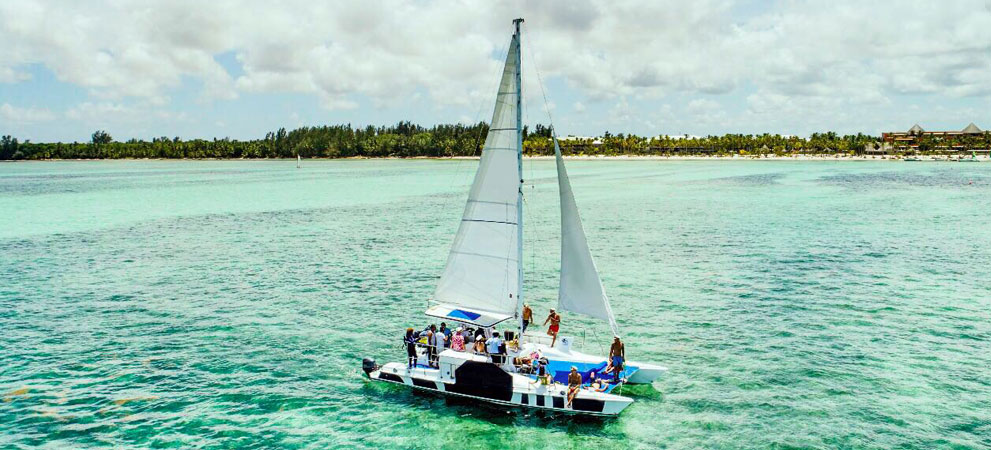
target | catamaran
x=482, y=287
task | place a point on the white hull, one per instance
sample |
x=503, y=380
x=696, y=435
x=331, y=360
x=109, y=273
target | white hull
x=470, y=376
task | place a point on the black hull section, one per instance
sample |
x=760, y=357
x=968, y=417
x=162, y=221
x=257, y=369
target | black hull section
x=487, y=382
x=482, y=380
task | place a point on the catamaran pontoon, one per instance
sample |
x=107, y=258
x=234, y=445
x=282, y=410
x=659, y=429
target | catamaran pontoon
x=482, y=284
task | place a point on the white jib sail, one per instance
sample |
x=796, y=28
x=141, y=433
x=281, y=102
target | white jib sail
x=581, y=288
x=483, y=267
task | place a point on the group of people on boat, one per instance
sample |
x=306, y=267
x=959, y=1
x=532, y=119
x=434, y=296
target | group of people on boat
x=434, y=340
x=477, y=340
x=488, y=342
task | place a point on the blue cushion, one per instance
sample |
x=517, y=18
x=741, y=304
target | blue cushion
x=462, y=314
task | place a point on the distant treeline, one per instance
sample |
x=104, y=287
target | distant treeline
x=408, y=140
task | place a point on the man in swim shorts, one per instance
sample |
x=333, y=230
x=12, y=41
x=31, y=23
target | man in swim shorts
x=617, y=357
x=555, y=319
x=574, y=384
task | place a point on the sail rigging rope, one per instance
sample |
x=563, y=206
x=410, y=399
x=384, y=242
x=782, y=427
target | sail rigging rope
x=535, y=223
x=540, y=82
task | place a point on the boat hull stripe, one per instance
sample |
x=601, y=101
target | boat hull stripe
x=391, y=377
x=424, y=383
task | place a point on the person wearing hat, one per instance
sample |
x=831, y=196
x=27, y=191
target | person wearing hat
x=458, y=340
x=479, y=345
x=555, y=319
x=574, y=384
x=617, y=357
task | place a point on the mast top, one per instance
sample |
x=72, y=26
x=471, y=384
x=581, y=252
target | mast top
x=516, y=23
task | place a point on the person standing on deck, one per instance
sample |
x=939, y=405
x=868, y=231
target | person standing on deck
x=555, y=319
x=410, y=343
x=527, y=316
x=435, y=341
x=458, y=341
x=492, y=345
x=444, y=330
x=617, y=357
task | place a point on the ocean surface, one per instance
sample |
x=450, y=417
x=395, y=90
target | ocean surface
x=228, y=304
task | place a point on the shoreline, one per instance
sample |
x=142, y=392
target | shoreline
x=808, y=157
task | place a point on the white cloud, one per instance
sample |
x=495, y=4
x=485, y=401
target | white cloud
x=801, y=57
x=113, y=115
x=703, y=106
x=97, y=112
x=9, y=75
x=25, y=115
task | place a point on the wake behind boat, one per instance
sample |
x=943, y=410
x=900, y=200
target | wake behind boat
x=482, y=287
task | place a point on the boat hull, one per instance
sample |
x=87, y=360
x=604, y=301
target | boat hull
x=486, y=382
x=646, y=373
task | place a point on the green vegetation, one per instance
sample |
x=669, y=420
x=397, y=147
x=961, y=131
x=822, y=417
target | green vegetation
x=928, y=144
x=409, y=140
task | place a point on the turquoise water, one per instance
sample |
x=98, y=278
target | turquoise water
x=212, y=304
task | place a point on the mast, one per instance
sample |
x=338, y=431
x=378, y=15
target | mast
x=519, y=159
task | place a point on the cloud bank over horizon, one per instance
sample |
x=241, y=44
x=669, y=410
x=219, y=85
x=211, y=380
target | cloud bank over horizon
x=239, y=69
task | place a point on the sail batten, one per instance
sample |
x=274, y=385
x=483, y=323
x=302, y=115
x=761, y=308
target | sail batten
x=581, y=289
x=483, y=268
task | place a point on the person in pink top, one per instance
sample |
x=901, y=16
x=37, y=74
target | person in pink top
x=458, y=341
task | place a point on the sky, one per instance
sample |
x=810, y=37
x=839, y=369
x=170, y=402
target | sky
x=143, y=69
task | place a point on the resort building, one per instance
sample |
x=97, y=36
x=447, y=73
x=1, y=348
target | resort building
x=916, y=139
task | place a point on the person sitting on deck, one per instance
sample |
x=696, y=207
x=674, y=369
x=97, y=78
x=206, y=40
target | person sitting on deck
x=524, y=364
x=617, y=357
x=574, y=384
x=543, y=376
x=492, y=345
x=513, y=343
x=410, y=343
x=596, y=384
x=458, y=341
x=531, y=360
x=555, y=319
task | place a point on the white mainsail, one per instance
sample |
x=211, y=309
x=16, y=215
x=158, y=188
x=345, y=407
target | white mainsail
x=484, y=268
x=581, y=288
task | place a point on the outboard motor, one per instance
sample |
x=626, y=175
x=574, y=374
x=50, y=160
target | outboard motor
x=368, y=365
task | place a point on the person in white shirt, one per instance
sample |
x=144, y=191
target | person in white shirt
x=435, y=342
x=492, y=346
